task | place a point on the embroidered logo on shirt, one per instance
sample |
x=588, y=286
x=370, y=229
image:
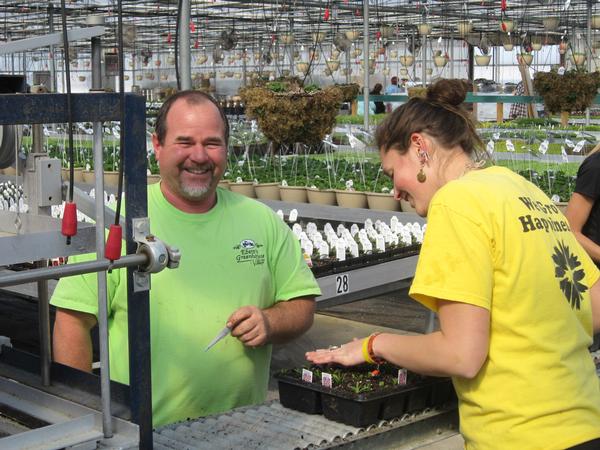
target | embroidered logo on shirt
x=248, y=251
x=567, y=270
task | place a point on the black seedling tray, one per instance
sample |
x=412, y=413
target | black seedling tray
x=363, y=409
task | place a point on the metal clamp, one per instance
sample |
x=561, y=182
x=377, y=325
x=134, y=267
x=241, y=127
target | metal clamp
x=160, y=255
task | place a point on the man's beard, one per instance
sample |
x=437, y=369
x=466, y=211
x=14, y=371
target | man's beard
x=194, y=192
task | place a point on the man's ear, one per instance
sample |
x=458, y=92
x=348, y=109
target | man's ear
x=157, y=146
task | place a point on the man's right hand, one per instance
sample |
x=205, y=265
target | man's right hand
x=72, y=342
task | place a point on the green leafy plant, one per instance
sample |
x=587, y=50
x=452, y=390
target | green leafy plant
x=575, y=90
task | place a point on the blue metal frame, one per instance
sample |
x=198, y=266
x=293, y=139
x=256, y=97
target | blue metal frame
x=471, y=98
x=100, y=107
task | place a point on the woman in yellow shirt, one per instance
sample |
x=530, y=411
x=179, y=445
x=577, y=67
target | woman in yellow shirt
x=517, y=296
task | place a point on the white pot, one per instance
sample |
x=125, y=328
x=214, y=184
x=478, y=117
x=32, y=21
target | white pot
x=464, y=27
x=287, y=39
x=596, y=21
x=527, y=58
x=407, y=60
x=302, y=67
x=424, y=28
x=508, y=46
x=483, y=60
x=550, y=23
x=394, y=54
x=333, y=65
x=352, y=35
x=440, y=61
x=578, y=58
x=318, y=37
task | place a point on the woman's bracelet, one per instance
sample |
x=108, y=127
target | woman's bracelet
x=367, y=350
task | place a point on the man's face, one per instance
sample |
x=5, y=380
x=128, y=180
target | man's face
x=193, y=156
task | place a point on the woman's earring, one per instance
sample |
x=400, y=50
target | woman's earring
x=424, y=157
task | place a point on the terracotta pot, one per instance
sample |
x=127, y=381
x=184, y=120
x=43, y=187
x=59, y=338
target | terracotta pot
x=78, y=175
x=321, y=196
x=562, y=206
x=245, y=188
x=293, y=194
x=379, y=200
x=224, y=184
x=267, y=191
x=351, y=199
x=10, y=171
x=405, y=206
x=151, y=179
x=111, y=178
x=88, y=176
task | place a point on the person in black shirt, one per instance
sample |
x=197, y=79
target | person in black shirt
x=583, y=210
x=379, y=105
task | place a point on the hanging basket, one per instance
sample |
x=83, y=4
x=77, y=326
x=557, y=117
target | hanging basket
x=573, y=91
x=440, y=61
x=407, y=60
x=352, y=35
x=550, y=23
x=526, y=58
x=507, y=26
x=287, y=39
x=596, y=21
x=508, y=46
x=424, y=28
x=290, y=117
x=464, y=27
x=483, y=60
x=578, y=58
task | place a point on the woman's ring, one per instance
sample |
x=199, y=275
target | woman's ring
x=333, y=347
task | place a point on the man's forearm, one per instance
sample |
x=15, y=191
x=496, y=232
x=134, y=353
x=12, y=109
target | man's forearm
x=289, y=319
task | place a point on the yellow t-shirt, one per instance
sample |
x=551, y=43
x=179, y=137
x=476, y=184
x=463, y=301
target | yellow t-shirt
x=495, y=240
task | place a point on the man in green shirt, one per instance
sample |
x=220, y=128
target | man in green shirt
x=241, y=266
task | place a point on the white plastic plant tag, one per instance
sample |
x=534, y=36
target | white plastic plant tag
x=380, y=243
x=323, y=249
x=510, y=146
x=544, y=146
x=340, y=229
x=280, y=214
x=354, y=229
x=311, y=227
x=569, y=143
x=366, y=244
x=368, y=223
x=353, y=246
x=394, y=223
x=307, y=246
x=496, y=136
x=402, y=377
x=340, y=250
x=563, y=154
x=307, y=375
x=293, y=215
x=328, y=228
x=490, y=147
x=297, y=230
x=326, y=380
x=579, y=146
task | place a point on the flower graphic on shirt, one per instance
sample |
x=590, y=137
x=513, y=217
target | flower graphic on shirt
x=569, y=273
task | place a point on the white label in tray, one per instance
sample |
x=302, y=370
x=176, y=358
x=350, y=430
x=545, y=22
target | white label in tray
x=402, y=377
x=326, y=380
x=307, y=375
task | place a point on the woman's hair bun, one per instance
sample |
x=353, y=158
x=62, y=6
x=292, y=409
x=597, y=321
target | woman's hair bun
x=450, y=91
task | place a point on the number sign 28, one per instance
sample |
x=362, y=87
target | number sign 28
x=342, y=284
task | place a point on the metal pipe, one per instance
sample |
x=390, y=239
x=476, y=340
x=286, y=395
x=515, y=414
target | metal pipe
x=424, y=61
x=47, y=273
x=101, y=275
x=185, y=72
x=452, y=57
x=366, y=63
x=52, y=55
x=588, y=52
x=44, y=327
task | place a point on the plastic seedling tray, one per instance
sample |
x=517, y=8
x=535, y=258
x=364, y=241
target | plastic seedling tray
x=298, y=395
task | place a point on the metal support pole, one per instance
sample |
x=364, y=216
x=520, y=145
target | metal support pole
x=366, y=63
x=424, y=61
x=44, y=328
x=588, y=51
x=138, y=301
x=51, y=52
x=29, y=276
x=452, y=57
x=101, y=275
x=185, y=72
